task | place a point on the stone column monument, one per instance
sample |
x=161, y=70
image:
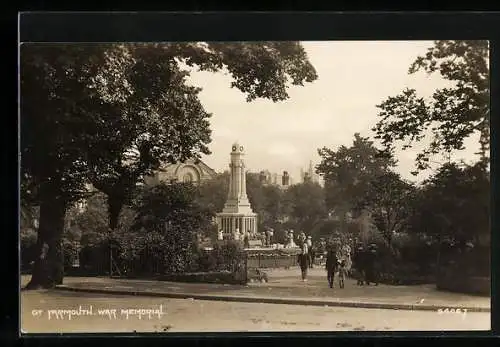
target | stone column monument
x=237, y=213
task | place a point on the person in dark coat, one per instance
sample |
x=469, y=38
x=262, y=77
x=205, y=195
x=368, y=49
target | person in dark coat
x=370, y=260
x=303, y=260
x=359, y=264
x=331, y=264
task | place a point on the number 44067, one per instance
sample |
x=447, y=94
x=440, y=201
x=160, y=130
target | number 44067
x=452, y=310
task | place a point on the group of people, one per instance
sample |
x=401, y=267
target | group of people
x=365, y=260
x=341, y=260
x=338, y=260
x=266, y=237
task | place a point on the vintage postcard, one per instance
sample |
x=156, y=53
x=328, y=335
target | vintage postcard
x=255, y=186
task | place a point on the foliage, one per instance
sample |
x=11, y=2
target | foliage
x=169, y=218
x=454, y=204
x=93, y=221
x=228, y=256
x=348, y=171
x=453, y=113
x=273, y=211
x=27, y=240
x=305, y=204
x=168, y=206
x=267, y=202
x=332, y=228
x=389, y=198
x=213, y=193
x=112, y=112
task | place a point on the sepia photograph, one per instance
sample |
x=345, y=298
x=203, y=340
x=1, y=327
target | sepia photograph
x=263, y=186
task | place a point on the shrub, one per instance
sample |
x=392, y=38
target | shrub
x=94, y=258
x=405, y=274
x=227, y=256
x=69, y=253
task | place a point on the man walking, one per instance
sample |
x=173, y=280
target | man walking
x=303, y=260
x=359, y=263
x=331, y=263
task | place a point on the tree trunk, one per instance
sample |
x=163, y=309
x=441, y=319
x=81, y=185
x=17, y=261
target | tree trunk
x=48, y=269
x=115, y=205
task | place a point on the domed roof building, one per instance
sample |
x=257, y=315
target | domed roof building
x=190, y=171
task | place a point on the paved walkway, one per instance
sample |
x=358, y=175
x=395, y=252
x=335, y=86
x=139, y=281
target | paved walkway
x=285, y=287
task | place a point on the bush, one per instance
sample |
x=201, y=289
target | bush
x=228, y=256
x=475, y=262
x=94, y=258
x=70, y=254
x=206, y=261
x=405, y=274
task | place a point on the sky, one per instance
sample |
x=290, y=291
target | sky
x=353, y=77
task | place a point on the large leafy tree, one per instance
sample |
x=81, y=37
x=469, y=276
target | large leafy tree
x=273, y=211
x=213, y=193
x=454, y=204
x=254, y=191
x=92, y=223
x=111, y=113
x=304, y=203
x=267, y=201
x=453, y=113
x=55, y=132
x=348, y=172
x=389, y=200
x=171, y=215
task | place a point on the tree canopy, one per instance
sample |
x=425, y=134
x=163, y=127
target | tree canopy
x=452, y=114
x=112, y=113
x=213, y=193
x=347, y=171
x=389, y=199
x=454, y=204
x=305, y=205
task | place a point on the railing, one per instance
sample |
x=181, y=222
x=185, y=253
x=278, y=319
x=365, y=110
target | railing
x=261, y=260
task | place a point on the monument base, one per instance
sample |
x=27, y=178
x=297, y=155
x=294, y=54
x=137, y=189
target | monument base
x=230, y=223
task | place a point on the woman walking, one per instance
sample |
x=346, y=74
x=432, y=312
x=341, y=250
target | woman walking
x=345, y=255
x=310, y=250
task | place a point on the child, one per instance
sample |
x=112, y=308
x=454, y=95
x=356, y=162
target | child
x=342, y=272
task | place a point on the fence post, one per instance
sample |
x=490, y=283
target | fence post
x=246, y=267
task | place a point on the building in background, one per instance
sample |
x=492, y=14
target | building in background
x=310, y=174
x=190, y=171
x=283, y=180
